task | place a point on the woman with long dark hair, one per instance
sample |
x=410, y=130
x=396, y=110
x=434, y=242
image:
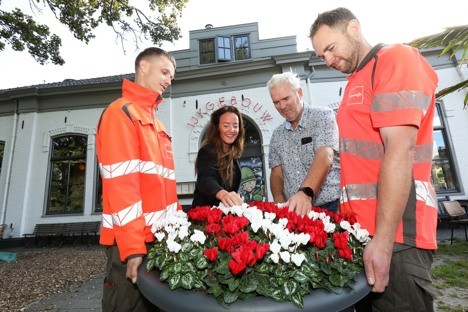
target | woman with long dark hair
x=217, y=164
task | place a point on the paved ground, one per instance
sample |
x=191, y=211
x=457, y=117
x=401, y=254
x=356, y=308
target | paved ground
x=88, y=296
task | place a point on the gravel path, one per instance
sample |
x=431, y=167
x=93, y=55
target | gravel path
x=40, y=272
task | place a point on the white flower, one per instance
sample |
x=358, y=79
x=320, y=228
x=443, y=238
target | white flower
x=270, y=216
x=160, y=236
x=345, y=225
x=297, y=259
x=285, y=256
x=329, y=227
x=183, y=232
x=274, y=257
x=198, y=236
x=173, y=246
x=275, y=247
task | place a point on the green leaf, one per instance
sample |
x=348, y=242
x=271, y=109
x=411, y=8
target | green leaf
x=164, y=275
x=222, y=268
x=248, y=283
x=150, y=264
x=297, y=300
x=183, y=257
x=233, y=283
x=186, y=246
x=188, y=267
x=289, y=287
x=300, y=277
x=195, y=253
x=217, y=290
x=221, y=302
x=174, y=281
x=201, y=263
x=187, y=281
x=247, y=296
x=262, y=267
x=177, y=267
x=229, y=297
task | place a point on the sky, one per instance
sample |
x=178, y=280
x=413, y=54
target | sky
x=395, y=21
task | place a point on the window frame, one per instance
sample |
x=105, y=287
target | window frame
x=69, y=161
x=236, y=48
x=224, y=49
x=450, y=153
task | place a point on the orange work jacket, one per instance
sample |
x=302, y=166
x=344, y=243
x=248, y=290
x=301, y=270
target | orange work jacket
x=137, y=170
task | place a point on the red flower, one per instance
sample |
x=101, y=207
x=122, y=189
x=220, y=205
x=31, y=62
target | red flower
x=261, y=250
x=211, y=253
x=340, y=240
x=213, y=228
x=236, y=267
x=346, y=253
x=215, y=215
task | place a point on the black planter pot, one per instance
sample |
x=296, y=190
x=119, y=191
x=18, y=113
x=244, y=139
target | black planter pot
x=178, y=300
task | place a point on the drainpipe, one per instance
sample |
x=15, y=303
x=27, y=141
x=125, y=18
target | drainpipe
x=10, y=162
x=309, y=92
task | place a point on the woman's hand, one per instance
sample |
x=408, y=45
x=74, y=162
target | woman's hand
x=229, y=199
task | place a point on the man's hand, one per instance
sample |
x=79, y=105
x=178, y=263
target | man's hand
x=132, y=268
x=300, y=203
x=377, y=258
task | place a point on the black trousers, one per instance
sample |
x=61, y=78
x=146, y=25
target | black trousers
x=119, y=293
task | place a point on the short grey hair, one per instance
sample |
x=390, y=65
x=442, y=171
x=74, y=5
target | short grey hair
x=287, y=78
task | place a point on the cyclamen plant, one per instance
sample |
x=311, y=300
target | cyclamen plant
x=257, y=249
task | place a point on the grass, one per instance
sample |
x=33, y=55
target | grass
x=451, y=273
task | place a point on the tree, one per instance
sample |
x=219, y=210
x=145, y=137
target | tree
x=454, y=39
x=156, y=21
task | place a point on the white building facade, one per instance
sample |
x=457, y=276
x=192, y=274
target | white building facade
x=48, y=171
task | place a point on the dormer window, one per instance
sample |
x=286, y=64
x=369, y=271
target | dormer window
x=224, y=49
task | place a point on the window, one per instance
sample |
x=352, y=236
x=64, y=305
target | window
x=207, y=51
x=67, y=174
x=443, y=175
x=222, y=49
x=242, y=47
x=2, y=148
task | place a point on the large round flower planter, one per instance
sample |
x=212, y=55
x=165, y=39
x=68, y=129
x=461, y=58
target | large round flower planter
x=178, y=300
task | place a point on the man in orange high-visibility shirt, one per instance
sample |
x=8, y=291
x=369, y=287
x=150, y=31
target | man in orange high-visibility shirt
x=385, y=123
x=138, y=181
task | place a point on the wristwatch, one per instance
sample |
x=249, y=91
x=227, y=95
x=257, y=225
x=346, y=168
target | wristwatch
x=307, y=190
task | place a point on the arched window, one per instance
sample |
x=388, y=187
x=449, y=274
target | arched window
x=67, y=174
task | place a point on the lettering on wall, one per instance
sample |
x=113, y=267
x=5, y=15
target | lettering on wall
x=245, y=106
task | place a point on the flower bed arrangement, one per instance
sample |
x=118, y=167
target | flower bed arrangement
x=257, y=249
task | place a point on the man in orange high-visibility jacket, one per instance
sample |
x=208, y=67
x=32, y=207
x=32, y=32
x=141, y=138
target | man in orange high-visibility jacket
x=138, y=181
x=385, y=123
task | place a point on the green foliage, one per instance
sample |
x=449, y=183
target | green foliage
x=189, y=268
x=453, y=39
x=157, y=21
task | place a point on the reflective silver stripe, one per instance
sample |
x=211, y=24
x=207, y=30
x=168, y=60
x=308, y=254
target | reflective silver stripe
x=129, y=214
x=364, y=149
x=401, y=100
x=107, y=221
x=134, y=166
x=152, y=217
x=358, y=192
x=368, y=191
x=425, y=192
x=375, y=150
